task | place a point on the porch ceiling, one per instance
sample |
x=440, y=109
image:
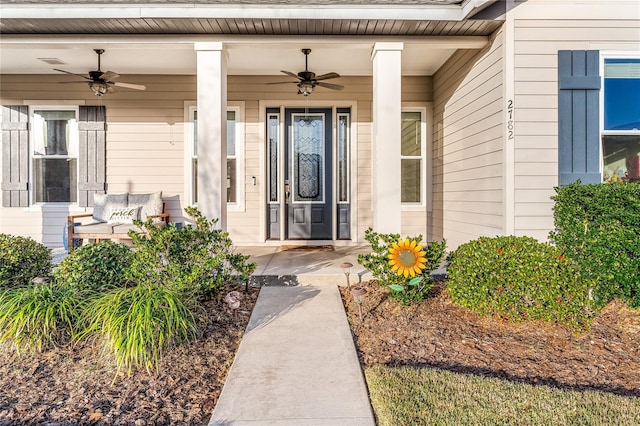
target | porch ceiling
x=262, y=36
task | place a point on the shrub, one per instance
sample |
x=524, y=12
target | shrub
x=519, y=278
x=37, y=316
x=22, y=259
x=138, y=323
x=95, y=267
x=598, y=227
x=198, y=259
x=402, y=289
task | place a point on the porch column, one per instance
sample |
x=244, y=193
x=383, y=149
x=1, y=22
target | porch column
x=387, y=91
x=212, y=130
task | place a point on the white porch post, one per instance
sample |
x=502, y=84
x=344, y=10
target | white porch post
x=387, y=97
x=212, y=130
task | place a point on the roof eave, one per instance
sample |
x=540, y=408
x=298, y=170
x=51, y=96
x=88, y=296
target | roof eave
x=137, y=11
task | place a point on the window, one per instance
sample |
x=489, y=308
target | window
x=343, y=157
x=273, y=134
x=234, y=155
x=54, y=148
x=412, y=158
x=621, y=124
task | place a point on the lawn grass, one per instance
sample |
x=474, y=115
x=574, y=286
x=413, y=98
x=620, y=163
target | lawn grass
x=428, y=396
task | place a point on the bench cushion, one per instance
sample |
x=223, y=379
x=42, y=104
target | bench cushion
x=94, y=228
x=124, y=228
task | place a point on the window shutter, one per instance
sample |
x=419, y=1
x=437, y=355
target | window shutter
x=15, y=155
x=578, y=116
x=91, y=153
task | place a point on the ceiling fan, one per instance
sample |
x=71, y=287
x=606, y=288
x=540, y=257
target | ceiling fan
x=101, y=82
x=307, y=80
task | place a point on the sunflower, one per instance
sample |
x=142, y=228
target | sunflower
x=407, y=257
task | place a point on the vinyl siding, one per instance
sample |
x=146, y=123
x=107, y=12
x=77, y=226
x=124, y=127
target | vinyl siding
x=146, y=146
x=541, y=28
x=468, y=145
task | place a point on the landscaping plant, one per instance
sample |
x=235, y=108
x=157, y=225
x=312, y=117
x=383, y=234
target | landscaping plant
x=138, y=323
x=38, y=316
x=520, y=278
x=21, y=260
x=598, y=227
x=170, y=271
x=95, y=268
x=391, y=260
x=197, y=259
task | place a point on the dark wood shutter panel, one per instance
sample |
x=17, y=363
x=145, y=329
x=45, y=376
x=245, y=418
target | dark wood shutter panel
x=578, y=116
x=91, y=153
x=15, y=156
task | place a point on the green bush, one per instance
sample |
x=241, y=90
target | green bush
x=598, y=226
x=38, y=316
x=198, y=259
x=519, y=278
x=21, y=260
x=138, y=323
x=95, y=267
x=402, y=288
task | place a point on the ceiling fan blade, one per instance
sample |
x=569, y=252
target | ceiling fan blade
x=284, y=82
x=327, y=76
x=110, y=89
x=109, y=75
x=130, y=86
x=290, y=74
x=330, y=86
x=71, y=73
x=73, y=82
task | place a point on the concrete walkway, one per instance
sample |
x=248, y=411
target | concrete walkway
x=296, y=364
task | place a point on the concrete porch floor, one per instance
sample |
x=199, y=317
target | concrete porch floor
x=305, y=265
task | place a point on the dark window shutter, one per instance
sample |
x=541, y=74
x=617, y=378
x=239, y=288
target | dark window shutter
x=91, y=153
x=15, y=155
x=578, y=116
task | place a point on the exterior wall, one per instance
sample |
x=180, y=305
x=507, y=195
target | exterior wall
x=146, y=144
x=468, y=166
x=541, y=28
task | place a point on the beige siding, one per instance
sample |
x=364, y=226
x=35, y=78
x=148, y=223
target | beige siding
x=468, y=145
x=541, y=28
x=146, y=146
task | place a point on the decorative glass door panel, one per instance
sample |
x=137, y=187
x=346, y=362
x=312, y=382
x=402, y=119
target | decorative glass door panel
x=308, y=157
x=308, y=180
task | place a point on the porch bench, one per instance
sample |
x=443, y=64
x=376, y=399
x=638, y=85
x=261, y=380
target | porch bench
x=113, y=216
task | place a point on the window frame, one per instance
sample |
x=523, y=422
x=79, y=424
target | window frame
x=604, y=55
x=423, y=157
x=32, y=157
x=238, y=109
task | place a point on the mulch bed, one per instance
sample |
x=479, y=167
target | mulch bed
x=438, y=333
x=79, y=386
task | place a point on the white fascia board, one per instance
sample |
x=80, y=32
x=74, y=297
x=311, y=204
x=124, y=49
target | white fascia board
x=61, y=41
x=471, y=7
x=373, y=12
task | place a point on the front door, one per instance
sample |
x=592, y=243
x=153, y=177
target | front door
x=308, y=174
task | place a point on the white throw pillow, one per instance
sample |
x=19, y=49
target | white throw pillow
x=123, y=214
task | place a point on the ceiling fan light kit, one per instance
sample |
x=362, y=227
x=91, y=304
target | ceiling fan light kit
x=307, y=80
x=102, y=82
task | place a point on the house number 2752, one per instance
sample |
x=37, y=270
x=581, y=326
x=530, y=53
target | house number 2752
x=510, y=124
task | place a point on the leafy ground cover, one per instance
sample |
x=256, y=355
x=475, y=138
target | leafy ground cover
x=535, y=359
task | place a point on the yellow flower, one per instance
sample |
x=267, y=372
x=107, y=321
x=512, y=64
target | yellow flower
x=407, y=257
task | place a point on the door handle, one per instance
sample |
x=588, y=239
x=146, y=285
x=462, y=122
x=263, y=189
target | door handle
x=286, y=192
